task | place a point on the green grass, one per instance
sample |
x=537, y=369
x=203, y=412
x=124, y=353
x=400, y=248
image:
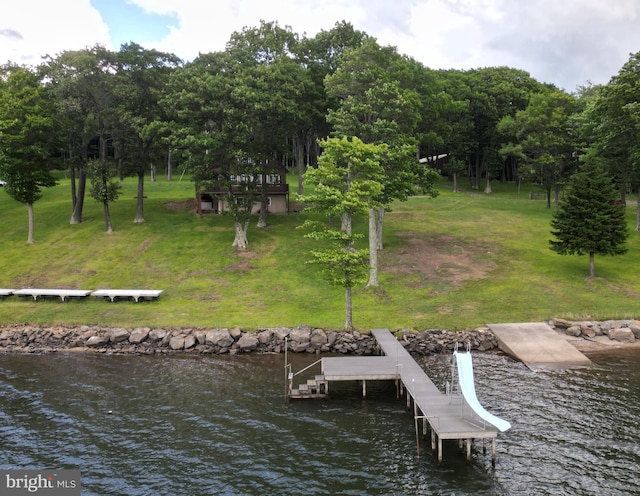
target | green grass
x=207, y=283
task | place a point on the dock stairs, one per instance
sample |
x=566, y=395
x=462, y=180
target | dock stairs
x=318, y=387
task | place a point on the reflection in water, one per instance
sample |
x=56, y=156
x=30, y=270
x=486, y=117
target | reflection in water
x=220, y=425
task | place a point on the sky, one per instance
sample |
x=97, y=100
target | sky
x=569, y=43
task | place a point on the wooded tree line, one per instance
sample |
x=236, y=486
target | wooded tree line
x=274, y=97
x=272, y=94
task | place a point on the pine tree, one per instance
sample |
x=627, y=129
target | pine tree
x=589, y=218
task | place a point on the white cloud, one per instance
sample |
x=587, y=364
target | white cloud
x=30, y=29
x=566, y=42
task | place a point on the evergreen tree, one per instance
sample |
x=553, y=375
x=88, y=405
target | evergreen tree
x=589, y=219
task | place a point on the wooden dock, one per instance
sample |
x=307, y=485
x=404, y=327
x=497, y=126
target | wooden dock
x=444, y=416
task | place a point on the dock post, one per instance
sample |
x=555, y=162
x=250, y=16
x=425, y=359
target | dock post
x=286, y=372
x=364, y=388
x=468, y=449
x=417, y=426
x=493, y=452
x=439, y=449
x=484, y=445
x=433, y=439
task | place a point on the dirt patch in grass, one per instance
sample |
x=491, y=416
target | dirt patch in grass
x=182, y=206
x=145, y=244
x=243, y=263
x=438, y=259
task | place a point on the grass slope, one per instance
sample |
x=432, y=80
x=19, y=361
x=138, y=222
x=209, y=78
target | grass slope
x=457, y=261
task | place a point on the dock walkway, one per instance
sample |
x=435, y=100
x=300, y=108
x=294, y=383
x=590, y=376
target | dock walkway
x=446, y=416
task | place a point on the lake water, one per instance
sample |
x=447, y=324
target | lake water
x=219, y=425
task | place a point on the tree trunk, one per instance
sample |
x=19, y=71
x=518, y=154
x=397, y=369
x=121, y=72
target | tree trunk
x=74, y=198
x=107, y=217
x=140, y=199
x=455, y=182
x=373, y=249
x=592, y=267
x=477, y=172
x=548, y=193
x=638, y=212
x=264, y=203
x=348, y=325
x=299, y=155
x=169, y=167
x=153, y=173
x=379, y=226
x=487, y=188
x=30, y=234
x=346, y=223
x=76, y=215
x=240, y=240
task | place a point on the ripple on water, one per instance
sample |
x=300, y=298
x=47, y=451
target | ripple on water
x=220, y=425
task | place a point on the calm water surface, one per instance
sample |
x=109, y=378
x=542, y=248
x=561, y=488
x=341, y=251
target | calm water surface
x=219, y=425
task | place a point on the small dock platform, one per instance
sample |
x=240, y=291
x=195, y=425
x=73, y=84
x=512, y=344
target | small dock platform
x=63, y=294
x=135, y=294
x=444, y=416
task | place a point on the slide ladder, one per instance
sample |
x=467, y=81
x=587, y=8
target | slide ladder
x=464, y=368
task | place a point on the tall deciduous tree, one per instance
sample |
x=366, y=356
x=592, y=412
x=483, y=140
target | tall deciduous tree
x=376, y=107
x=138, y=85
x=613, y=127
x=544, y=139
x=589, y=219
x=348, y=184
x=26, y=128
x=81, y=82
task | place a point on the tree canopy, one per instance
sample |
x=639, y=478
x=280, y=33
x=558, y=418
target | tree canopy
x=26, y=128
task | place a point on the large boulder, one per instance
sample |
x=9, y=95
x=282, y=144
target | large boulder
x=622, y=334
x=138, y=335
x=318, y=338
x=189, y=341
x=247, y=342
x=97, y=341
x=157, y=334
x=176, y=343
x=117, y=335
x=219, y=337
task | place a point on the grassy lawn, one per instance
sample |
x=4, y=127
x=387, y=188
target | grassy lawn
x=457, y=261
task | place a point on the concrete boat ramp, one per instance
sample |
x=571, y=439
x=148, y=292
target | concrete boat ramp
x=538, y=346
x=454, y=415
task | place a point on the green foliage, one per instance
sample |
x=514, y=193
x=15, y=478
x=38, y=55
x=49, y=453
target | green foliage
x=104, y=186
x=26, y=125
x=589, y=219
x=347, y=179
x=342, y=265
x=543, y=139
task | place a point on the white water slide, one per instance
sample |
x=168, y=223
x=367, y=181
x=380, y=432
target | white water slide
x=468, y=388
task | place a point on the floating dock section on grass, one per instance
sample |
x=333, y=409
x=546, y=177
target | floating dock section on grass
x=444, y=416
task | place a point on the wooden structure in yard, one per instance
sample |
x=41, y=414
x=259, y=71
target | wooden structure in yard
x=213, y=200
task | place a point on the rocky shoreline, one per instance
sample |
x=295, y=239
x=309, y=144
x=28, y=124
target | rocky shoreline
x=21, y=338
